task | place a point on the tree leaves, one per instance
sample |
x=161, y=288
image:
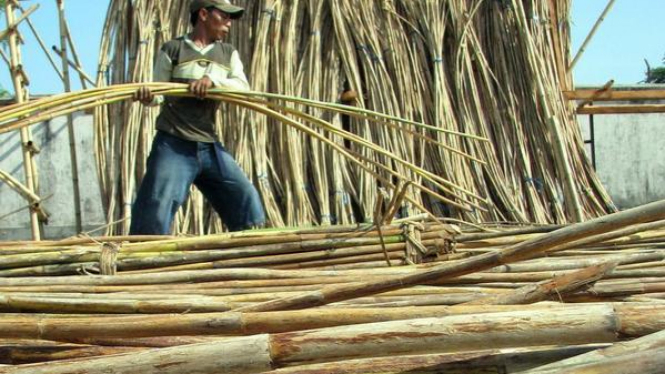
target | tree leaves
x=655, y=75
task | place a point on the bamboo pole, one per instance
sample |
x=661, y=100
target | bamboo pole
x=43, y=46
x=70, y=119
x=22, y=190
x=5, y=58
x=589, y=37
x=21, y=96
x=77, y=63
x=13, y=26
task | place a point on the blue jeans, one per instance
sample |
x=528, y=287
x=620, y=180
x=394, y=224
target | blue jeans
x=173, y=165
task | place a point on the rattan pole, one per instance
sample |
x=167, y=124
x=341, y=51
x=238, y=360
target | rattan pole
x=21, y=96
x=70, y=119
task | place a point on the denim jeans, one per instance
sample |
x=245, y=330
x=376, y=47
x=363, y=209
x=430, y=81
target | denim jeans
x=173, y=165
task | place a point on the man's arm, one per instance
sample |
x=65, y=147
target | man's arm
x=235, y=79
x=215, y=76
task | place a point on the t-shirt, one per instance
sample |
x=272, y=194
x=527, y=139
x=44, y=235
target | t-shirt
x=182, y=61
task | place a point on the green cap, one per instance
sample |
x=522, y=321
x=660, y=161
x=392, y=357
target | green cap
x=223, y=5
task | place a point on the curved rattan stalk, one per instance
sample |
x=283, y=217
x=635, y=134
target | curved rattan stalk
x=86, y=100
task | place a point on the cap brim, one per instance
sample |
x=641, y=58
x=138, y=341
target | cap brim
x=233, y=11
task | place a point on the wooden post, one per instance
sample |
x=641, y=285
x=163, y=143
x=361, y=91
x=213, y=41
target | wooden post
x=623, y=109
x=21, y=96
x=602, y=94
x=606, y=88
x=70, y=118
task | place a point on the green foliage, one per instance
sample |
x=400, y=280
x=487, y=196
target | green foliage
x=655, y=75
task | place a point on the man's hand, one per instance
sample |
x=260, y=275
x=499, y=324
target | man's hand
x=144, y=95
x=200, y=87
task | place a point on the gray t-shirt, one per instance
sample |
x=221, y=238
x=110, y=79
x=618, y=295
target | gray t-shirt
x=182, y=61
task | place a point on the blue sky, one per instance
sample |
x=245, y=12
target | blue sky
x=632, y=32
x=85, y=19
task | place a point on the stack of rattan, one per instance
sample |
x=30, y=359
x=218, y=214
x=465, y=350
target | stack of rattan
x=450, y=107
x=501, y=300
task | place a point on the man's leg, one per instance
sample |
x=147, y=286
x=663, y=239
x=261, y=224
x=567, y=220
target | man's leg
x=228, y=190
x=172, y=166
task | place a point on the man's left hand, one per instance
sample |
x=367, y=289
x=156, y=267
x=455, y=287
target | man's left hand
x=200, y=87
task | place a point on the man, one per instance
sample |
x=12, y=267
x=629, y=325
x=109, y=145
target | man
x=185, y=149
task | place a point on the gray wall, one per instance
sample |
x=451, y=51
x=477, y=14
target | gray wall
x=630, y=160
x=630, y=155
x=55, y=181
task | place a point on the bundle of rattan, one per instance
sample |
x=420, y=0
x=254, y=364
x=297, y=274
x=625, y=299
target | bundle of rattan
x=482, y=311
x=395, y=244
x=493, y=69
x=19, y=116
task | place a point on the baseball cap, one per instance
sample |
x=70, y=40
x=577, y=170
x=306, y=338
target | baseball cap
x=223, y=5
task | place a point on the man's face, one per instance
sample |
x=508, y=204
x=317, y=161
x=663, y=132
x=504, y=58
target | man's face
x=217, y=23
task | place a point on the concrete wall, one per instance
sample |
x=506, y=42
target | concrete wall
x=630, y=160
x=630, y=155
x=55, y=181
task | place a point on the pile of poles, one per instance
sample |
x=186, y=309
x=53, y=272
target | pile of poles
x=361, y=111
x=491, y=70
x=416, y=297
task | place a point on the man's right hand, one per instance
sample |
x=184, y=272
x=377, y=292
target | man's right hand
x=144, y=95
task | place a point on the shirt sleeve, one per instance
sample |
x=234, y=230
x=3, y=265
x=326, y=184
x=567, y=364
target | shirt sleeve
x=163, y=68
x=235, y=80
x=161, y=73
